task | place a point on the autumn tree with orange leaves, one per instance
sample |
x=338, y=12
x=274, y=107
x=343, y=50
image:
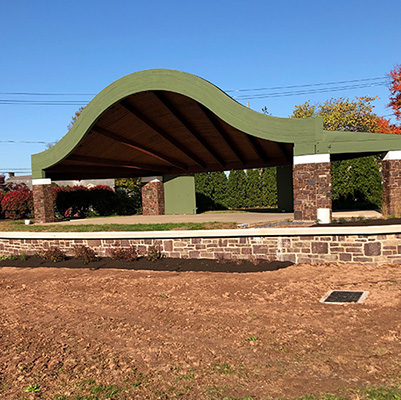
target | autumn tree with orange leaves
x=395, y=90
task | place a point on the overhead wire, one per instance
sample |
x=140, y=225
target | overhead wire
x=304, y=92
x=309, y=84
x=278, y=92
x=22, y=141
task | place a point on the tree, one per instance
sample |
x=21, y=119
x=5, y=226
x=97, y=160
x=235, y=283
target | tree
x=253, y=188
x=75, y=117
x=203, y=192
x=218, y=188
x=385, y=126
x=269, y=187
x=236, y=189
x=342, y=114
x=355, y=182
x=395, y=90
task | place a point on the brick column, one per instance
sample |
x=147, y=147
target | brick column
x=42, y=200
x=153, y=196
x=391, y=175
x=312, y=187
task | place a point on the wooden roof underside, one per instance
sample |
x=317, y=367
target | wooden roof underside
x=165, y=133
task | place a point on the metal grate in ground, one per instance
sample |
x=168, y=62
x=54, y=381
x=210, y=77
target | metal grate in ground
x=344, y=296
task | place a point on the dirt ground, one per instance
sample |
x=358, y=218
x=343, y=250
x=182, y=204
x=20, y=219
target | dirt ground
x=125, y=334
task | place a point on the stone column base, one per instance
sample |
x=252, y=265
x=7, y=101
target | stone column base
x=312, y=186
x=42, y=200
x=153, y=197
x=391, y=173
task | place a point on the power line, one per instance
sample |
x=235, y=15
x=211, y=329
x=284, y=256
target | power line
x=22, y=141
x=43, y=103
x=367, y=82
x=303, y=92
x=47, y=94
x=309, y=84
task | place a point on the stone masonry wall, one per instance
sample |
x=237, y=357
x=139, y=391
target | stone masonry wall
x=43, y=203
x=391, y=173
x=312, y=189
x=370, y=249
x=153, y=198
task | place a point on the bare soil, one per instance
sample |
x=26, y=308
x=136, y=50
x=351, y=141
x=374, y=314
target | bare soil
x=81, y=334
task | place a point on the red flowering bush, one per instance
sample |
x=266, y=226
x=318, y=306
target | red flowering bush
x=17, y=204
x=79, y=201
x=71, y=201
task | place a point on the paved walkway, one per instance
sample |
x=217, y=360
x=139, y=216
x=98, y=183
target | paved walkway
x=237, y=217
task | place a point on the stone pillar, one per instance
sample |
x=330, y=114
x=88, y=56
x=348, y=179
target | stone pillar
x=153, y=196
x=312, y=188
x=42, y=200
x=391, y=175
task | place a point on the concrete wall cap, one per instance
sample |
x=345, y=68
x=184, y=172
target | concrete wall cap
x=312, y=159
x=45, y=181
x=218, y=233
x=147, y=179
x=393, y=155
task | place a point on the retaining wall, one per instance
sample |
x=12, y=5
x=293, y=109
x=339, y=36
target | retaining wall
x=301, y=245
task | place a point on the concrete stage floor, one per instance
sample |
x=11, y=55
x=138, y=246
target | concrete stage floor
x=237, y=217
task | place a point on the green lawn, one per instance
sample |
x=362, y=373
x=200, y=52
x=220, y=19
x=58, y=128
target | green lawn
x=8, y=226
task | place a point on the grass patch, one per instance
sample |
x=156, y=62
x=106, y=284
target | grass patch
x=9, y=226
x=368, y=393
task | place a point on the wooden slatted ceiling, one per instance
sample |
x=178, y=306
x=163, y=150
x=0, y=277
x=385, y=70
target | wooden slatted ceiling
x=166, y=133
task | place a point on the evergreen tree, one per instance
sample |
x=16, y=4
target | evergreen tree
x=361, y=188
x=236, y=189
x=203, y=192
x=253, y=188
x=269, y=187
x=218, y=185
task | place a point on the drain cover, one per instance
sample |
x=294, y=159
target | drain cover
x=344, y=296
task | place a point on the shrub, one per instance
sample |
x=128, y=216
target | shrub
x=127, y=201
x=79, y=201
x=153, y=253
x=102, y=199
x=71, y=201
x=54, y=255
x=84, y=253
x=128, y=254
x=17, y=203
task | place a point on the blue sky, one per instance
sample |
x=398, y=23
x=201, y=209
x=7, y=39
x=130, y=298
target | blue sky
x=81, y=47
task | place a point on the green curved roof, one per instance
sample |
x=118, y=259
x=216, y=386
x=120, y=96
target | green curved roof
x=306, y=135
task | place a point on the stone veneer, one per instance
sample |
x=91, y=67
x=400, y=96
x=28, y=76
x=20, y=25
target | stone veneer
x=312, y=189
x=391, y=173
x=350, y=248
x=43, y=203
x=153, y=198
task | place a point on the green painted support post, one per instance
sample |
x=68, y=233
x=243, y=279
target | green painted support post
x=285, y=194
x=179, y=195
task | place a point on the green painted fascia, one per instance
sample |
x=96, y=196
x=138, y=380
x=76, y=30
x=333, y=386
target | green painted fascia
x=286, y=130
x=344, y=142
x=358, y=142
